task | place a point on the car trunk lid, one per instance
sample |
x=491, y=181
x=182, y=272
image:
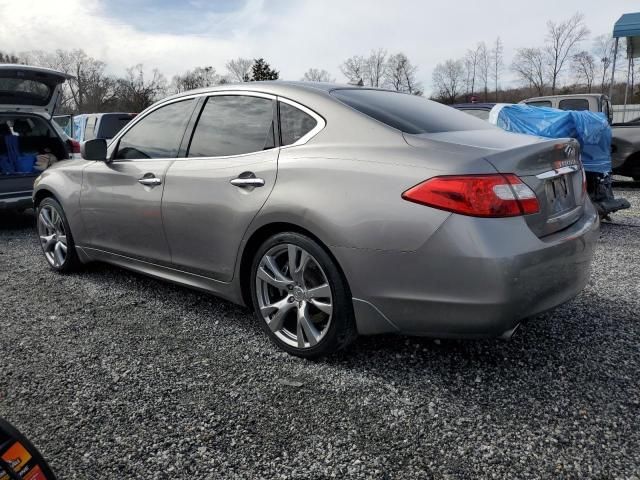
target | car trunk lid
x=24, y=88
x=550, y=167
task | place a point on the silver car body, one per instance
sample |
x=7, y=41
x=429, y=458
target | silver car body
x=410, y=268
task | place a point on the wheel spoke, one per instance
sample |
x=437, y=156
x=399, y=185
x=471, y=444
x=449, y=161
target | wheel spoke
x=322, y=291
x=297, y=266
x=48, y=241
x=46, y=219
x=58, y=254
x=322, y=306
x=63, y=239
x=305, y=323
x=63, y=247
x=281, y=308
x=278, y=280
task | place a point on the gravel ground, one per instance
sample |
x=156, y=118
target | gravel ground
x=114, y=375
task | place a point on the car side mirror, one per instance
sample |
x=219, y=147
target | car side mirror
x=95, y=149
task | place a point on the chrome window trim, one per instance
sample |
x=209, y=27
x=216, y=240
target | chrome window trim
x=320, y=122
x=145, y=113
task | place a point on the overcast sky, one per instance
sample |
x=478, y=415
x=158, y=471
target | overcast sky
x=293, y=35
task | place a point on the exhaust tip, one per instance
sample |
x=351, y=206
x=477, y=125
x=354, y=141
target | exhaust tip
x=508, y=334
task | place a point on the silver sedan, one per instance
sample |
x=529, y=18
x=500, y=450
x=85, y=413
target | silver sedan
x=331, y=211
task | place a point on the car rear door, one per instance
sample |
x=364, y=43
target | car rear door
x=121, y=199
x=212, y=195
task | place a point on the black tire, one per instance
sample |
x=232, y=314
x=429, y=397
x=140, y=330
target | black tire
x=341, y=331
x=636, y=178
x=71, y=261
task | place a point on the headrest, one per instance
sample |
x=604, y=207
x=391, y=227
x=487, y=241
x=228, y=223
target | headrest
x=21, y=126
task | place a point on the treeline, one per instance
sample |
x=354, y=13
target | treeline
x=92, y=89
x=568, y=61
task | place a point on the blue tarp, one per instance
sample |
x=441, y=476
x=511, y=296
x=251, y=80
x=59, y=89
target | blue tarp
x=591, y=129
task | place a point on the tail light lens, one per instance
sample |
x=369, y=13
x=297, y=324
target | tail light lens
x=500, y=195
x=74, y=145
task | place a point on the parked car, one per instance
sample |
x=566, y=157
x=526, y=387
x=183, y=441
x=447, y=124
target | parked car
x=99, y=125
x=625, y=144
x=478, y=110
x=65, y=122
x=28, y=96
x=331, y=210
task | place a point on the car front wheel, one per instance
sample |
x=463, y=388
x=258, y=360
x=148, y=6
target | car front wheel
x=55, y=236
x=300, y=296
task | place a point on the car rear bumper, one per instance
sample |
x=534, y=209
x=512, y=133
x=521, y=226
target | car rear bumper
x=473, y=278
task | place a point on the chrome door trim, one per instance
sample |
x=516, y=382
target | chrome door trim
x=558, y=172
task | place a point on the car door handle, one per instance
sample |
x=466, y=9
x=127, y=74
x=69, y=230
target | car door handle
x=247, y=182
x=150, y=181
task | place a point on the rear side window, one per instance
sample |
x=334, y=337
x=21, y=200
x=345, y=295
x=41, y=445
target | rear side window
x=158, y=134
x=574, y=104
x=90, y=129
x=233, y=125
x=112, y=124
x=294, y=123
x=408, y=113
x=541, y=103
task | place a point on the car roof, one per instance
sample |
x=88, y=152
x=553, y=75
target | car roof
x=278, y=87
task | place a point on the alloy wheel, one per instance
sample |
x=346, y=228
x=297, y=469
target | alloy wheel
x=294, y=295
x=53, y=236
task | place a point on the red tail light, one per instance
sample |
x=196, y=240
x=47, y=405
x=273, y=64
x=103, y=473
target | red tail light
x=500, y=195
x=74, y=145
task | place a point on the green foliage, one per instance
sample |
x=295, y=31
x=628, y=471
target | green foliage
x=261, y=70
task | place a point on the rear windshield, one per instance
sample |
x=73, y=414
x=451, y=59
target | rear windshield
x=112, y=124
x=24, y=92
x=409, y=113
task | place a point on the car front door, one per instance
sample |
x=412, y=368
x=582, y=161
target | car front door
x=121, y=199
x=213, y=193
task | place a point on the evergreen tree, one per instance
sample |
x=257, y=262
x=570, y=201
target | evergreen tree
x=261, y=70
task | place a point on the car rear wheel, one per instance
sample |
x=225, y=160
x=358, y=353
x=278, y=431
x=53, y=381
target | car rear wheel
x=300, y=297
x=55, y=237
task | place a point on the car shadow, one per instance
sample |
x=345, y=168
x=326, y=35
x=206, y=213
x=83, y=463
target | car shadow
x=12, y=220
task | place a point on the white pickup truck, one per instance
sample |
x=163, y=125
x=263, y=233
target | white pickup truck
x=625, y=144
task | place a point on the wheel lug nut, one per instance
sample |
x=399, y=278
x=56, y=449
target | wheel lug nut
x=290, y=287
x=290, y=299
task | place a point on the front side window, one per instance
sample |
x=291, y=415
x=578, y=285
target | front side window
x=233, y=125
x=294, y=123
x=574, y=104
x=158, y=134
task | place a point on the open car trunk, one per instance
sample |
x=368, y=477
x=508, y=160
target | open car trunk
x=32, y=136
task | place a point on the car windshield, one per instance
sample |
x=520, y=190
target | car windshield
x=408, y=113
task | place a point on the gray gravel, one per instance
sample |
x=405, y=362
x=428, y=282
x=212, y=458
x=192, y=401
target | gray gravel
x=114, y=375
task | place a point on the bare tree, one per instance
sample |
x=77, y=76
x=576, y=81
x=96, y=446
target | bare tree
x=316, y=75
x=401, y=75
x=447, y=79
x=376, y=67
x=584, y=66
x=484, y=66
x=529, y=65
x=497, y=63
x=239, y=69
x=90, y=89
x=135, y=93
x=199, y=77
x=603, y=50
x=471, y=67
x=354, y=68
x=562, y=39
